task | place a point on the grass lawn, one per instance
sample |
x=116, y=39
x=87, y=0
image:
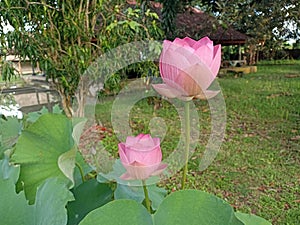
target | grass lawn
x=258, y=167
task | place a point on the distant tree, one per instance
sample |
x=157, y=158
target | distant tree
x=260, y=19
x=268, y=23
x=296, y=45
x=66, y=36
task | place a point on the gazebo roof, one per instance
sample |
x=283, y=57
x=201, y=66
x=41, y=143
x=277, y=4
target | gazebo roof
x=196, y=24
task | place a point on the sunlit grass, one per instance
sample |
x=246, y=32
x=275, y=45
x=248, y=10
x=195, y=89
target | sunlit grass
x=257, y=168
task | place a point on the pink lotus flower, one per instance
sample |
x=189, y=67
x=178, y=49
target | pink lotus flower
x=188, y=68
x=141, y=156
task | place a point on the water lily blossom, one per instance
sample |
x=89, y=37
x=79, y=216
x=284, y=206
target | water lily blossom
x=141, y=156
x=188, y=68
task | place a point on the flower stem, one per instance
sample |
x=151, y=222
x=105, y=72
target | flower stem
x=187, y=142
x=80, y=171
x=147, y=200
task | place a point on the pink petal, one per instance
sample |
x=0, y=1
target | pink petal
x=127, y=176
x=167, y=91
x=190, y=41
x=215, y=66
x=188, y=53
x=130, y=141
x=140, y=172
x=145, y=140
x=205, y=53
x=156, y=141
x=173, y=46
x=140, y=136
x=187, y=82
x=171, y=61
x=170, y=92
x=122, y=153
x=135, y=172
x=159, y=169
x=181, y=42
x=207, y=94
x=166, y=45
x=152, y=157
x=200, y=74
x=203, y=41
x=144, y=157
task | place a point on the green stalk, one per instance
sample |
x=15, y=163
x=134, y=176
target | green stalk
x=80, y=171
x=187, y=142
x=147, y=200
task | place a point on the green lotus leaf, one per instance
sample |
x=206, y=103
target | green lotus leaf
x=45, y=149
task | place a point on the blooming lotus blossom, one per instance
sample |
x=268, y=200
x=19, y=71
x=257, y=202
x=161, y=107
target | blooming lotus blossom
x=188, y=68
x=141, y=156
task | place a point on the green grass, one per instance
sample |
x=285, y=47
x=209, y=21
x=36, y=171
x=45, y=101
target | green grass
x=258, y=167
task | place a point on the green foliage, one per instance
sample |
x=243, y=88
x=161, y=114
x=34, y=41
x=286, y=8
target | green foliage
x=88, y=196
x=13, y=206
x=10, y=130
x=65, y=37
x=119, y=212
x=257, y=167
x=194, y=207
x=49, y=207
x=45, y=149
x=113, y=83
x=33, y=116
x=261, y=20
x=249, y=219
x=184, y=207
x=7, y=70
x=169, y=13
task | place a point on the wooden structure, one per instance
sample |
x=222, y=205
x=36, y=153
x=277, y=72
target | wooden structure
x=22, y=66
x=197, y=24
x=35, y=95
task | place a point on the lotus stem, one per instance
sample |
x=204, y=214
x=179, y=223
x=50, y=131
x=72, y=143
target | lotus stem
x=80, y=171
x=147, y=200
x=187, y=142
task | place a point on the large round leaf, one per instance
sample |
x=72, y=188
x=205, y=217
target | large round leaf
x=13, y=207
x=49, y=207
x=88, y=196
x=45, y=149
x=119, y=212
x=194, y=207
x=51, y=199
x=250, y=219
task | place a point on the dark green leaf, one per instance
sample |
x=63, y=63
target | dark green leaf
x=88, y=196
x=119, y=212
